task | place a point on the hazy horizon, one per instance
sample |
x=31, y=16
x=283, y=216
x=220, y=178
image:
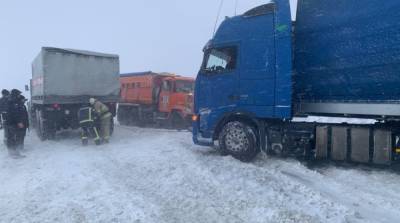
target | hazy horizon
x=147, y=35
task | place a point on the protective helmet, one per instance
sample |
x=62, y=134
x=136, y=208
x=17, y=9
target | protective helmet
x=92, y=101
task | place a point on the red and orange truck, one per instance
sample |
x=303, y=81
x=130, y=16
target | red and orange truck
x=160, y=99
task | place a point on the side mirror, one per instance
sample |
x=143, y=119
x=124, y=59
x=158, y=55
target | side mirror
x=26, y=87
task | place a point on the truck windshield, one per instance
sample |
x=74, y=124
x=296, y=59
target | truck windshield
x=219, y=60
x=184, y=86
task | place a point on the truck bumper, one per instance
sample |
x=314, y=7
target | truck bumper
x=198, y=139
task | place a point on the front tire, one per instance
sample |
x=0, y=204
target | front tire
x=238, y=140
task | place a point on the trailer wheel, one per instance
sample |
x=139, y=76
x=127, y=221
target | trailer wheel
x=43, y=128
x=112, y=126
x=177, y=122
x=121, y=115
x=238, y=140
x=39, y=125
x=124, y=116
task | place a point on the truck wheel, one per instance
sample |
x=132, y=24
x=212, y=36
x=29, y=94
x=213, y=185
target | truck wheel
x=39, y=126
x=123, y=115
x=177, y=122
x=238, y=140
x=120, y=116
x=112, y=126
x=43, y=128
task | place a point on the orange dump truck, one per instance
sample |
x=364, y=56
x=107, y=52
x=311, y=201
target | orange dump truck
x=151, y=98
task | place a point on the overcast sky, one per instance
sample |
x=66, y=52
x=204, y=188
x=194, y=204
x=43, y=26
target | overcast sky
x=155, y=35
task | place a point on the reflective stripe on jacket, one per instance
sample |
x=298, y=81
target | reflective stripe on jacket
x=85, y=115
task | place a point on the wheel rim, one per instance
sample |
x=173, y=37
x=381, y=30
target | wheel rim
x=236, y=140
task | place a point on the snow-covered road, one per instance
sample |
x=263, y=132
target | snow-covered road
x=148, y=175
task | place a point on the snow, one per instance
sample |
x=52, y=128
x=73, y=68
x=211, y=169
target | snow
x=149, y=175
x=338, y=120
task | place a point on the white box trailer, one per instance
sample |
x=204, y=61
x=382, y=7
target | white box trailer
x=73, y=76
x=63, y=80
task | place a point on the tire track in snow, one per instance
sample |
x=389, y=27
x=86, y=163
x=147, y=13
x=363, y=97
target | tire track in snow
x=189, y=181
x=148, y=175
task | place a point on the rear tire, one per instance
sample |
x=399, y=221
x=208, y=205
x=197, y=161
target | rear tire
x=44, y=129
x=39, y=126
x=238, y=140
x=112, y=126
x=177, y=122
x=121, y=115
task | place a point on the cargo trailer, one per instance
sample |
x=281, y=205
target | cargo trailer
x=63, y=80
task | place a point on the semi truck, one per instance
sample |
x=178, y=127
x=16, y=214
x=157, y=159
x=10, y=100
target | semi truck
x=63, y=80
x=160, y=99
x=263, y=75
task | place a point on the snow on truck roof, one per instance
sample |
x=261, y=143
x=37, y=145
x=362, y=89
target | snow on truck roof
x=151, y=73
x=80, y=52
x=138, y=74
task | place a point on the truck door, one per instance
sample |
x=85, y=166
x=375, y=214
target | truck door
x=257, y=77
x=165, y=94
x=124, y=92
x=217, y=83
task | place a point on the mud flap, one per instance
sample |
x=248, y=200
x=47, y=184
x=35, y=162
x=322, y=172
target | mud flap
x=321, y=143
x=382, y=147
x=339, y=143
x=360, y=145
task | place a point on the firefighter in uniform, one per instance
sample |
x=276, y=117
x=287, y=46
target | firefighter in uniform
x=105, y=117
x=87, y=122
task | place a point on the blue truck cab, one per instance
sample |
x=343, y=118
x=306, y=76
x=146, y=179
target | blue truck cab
x=260, y=71
x=247, y=69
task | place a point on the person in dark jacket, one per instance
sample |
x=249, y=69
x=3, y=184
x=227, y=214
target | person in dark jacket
x=16, y=121
x=3, y=104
